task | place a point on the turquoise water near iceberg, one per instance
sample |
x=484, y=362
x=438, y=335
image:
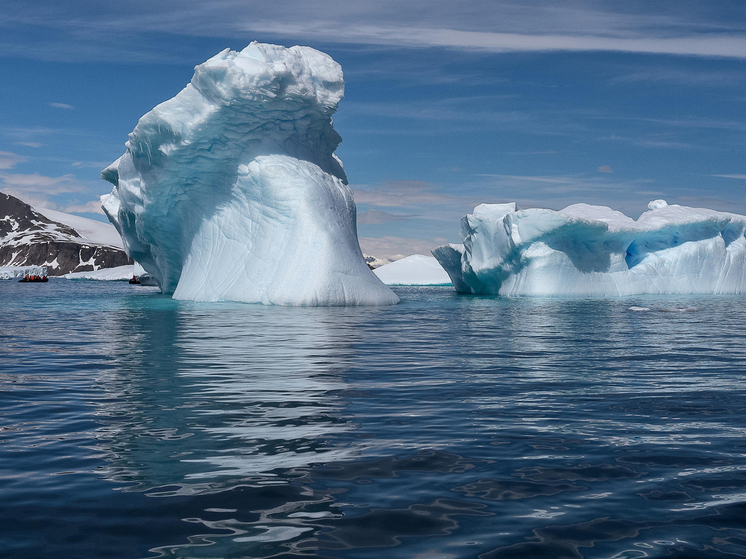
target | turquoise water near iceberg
x=448, y=426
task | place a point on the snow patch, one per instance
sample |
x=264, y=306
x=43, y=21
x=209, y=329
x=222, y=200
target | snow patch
x=417, y=269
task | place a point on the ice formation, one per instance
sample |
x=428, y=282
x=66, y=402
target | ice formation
x=417, y=269
x=587, y=250
x=231, y=190
x=120, y=273
x=15, y=272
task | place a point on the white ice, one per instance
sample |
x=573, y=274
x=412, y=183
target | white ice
x=13, y=272
x=586, y=250
x=118, y=273
x=417, y=269
x=231, y=190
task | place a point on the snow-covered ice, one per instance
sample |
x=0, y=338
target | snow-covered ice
x=586, y=250
x=13, y=272
x=231, y=190
x=119, y=273
x=417, y=269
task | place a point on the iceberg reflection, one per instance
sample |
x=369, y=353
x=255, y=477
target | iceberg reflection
x=206, y=397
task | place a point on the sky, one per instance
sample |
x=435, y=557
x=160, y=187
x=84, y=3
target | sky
x=447, y=104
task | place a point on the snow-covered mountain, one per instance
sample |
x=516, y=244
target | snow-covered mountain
x=62, y=242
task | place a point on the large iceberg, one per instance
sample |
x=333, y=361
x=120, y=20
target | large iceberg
x=587, y=250
x=231, y=190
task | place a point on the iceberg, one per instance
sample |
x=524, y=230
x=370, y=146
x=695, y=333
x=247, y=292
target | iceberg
x=586, y=250
x=231, y=190
x=418, y=269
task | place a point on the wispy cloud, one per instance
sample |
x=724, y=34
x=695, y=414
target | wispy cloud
x=401, y=193
x=9, y=160
x=62, y=106
x=378, y=216
x=494, y=26
x=29, y=144
x=696, y=77
x=94, y=206
x=604, y=169
x=90, y=164
x=397, y=247
x=730, y=46
x=34, y=187
x=35, y=182
x=661, y=141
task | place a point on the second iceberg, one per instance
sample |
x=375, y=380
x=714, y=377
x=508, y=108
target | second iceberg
x=586, y=250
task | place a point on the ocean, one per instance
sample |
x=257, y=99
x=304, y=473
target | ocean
x=448, y=426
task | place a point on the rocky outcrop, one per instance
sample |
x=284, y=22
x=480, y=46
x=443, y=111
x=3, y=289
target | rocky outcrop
x=29, y=238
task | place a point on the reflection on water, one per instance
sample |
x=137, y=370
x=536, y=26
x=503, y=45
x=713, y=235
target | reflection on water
x=447, y=426
x=199, y=397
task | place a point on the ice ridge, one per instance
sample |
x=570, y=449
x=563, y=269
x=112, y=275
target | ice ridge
x=231, y=190
x=586, y=250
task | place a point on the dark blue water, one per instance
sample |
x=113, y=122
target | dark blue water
x=448, y=426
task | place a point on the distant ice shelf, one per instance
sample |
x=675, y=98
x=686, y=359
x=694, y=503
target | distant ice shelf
x=119, y=273
x=586, y=250
x=418, y=269
x=13, y=272
x=231, y=190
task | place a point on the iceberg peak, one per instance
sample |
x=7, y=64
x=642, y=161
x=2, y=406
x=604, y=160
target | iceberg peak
x=657, y=204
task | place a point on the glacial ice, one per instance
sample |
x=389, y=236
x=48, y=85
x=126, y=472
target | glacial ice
x=118, y=273
x=15, y=272
x=586, y=250
x=417, y=269
x=231, y=190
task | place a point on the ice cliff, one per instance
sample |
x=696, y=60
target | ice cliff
x=587, y=250
x=231, y=190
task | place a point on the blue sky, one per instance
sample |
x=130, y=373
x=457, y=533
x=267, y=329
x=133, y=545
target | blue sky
x=448, y=104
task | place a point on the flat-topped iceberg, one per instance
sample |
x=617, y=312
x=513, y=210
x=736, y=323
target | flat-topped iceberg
x=231, y=190
x=586, y=250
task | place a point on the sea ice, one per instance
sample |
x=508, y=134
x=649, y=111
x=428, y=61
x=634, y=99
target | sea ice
x=231, y=190
x=586, y=250
x=417, y=269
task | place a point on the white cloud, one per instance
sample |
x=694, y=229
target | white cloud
x=62, y=106
x=9, y=160
x=400, y=193
x=35, y=182
x=604, y=169
x=94, y=206
x=493, y=26
x=29, y=144
x=742, y=177
x=729, y=46
x=91, y=164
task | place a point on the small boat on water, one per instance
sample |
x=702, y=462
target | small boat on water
x=33, y=279
x=135, y=281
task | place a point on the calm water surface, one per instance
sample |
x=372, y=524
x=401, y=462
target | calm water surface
x=448, y=426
